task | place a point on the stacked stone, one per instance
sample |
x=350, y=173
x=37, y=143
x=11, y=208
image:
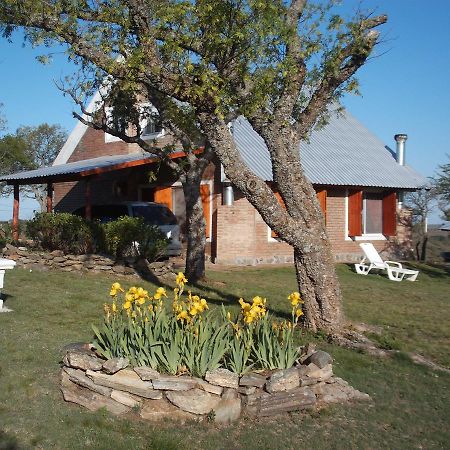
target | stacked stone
x=222, y=396
x=57, y=260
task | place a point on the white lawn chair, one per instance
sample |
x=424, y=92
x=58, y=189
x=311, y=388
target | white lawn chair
x=5, y=264
x=395, y=271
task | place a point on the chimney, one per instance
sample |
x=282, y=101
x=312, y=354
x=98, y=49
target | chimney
x=401, y=139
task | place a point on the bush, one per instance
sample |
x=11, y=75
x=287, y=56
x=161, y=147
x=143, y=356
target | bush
x=190, y=338
x=66, y=232
x=132, y=236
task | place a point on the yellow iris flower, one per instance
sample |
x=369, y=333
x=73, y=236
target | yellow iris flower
x=181, y=280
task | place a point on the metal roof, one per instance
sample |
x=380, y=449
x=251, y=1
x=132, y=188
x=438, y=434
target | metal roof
x=343, y=153
x=82, y=168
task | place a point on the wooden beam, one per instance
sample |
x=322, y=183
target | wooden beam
x=15, y=226
x=88, y=198
x=49, y=197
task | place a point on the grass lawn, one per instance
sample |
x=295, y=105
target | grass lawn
x=410, y=408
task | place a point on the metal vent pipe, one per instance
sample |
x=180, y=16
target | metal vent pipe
x=401, y=139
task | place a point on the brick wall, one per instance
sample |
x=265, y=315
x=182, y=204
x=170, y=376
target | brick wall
x=243, y=235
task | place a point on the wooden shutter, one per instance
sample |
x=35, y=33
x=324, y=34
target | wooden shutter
x=390, y=214
x=281, y=201
x=355, y=205
x=322, y=197
x=206, y=201
x=163, y=195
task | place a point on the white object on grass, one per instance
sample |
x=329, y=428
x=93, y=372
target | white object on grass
x=395, y=271
x=5, y=264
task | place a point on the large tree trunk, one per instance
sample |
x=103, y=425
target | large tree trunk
x=195, y=228
x=301, y=224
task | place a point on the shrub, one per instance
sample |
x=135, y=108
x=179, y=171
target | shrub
x=64, y=231
x=131, y=235
x=190, y=338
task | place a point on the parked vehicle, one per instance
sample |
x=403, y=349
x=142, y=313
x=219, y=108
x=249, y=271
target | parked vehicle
x=152, y=213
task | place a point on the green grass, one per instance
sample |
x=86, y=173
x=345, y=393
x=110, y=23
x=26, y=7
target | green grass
x=411, y=404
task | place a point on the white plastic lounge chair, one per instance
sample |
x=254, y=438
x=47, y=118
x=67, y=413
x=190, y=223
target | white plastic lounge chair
x=4, y=265
x=395, y=271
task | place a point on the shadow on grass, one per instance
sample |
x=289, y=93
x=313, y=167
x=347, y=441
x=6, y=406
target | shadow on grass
x=8, y=442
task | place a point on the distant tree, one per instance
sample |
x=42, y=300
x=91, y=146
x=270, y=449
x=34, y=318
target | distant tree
x=30, y=148
x=421, y=204
x=442, y=189
x=13, y=157
x=42, y=145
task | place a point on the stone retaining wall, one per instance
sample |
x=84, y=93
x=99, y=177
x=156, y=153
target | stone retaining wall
x=57, y=260
x=222, y=396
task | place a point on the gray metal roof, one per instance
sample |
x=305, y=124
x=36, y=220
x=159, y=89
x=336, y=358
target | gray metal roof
x=343, y=153
x=77, y=167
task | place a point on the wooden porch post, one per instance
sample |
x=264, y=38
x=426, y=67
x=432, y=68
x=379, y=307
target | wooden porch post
x=49, y=197
x=15, y=224
x=88, y=197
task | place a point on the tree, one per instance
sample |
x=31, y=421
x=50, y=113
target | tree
x=42, y=144
x=278, y=63
x=30, y=148
x=421, y=204
x=442, y=189
x=13, y=157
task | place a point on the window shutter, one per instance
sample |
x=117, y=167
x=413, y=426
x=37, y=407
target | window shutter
x=281, y=201
x=204, y=193
x=355, y=204
x=390, y=214
x=163, y=195
x=322, y=197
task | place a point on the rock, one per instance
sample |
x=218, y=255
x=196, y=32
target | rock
x=163, y=410
x=10, y=249
x=320, y=359
x=337, y=393
x=82, y=361
x=146, y=373
x=129, y=271
x=195, y=401
x=113, y=365
x=247, y=390
x=125, y=380
x=126, y=399
x=306, y=381
x=57, y=253
x=211, y=388
x=60, y=259
x=319, y=374
x=90, y=400
x=283, y=380
x=101, y=267
x=172, y=383
x=293, y=400
x=228, y=410
x=77, y=267
x=79, y=377
x=229, y=394
x=223, y=377
x=118, y=269
x=252, y=379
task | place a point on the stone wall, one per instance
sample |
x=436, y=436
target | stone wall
x=57, y=260
x=222, y=396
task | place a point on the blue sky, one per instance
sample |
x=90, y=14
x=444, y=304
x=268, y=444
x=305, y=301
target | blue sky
x=405, y=89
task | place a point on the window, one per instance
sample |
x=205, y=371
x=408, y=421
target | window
x=152, y=128
x=371, y=214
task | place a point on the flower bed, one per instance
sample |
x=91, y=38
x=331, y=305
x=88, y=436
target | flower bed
x=188, y=362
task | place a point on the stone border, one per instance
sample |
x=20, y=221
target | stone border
x=222, y=396
x=57, y=260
